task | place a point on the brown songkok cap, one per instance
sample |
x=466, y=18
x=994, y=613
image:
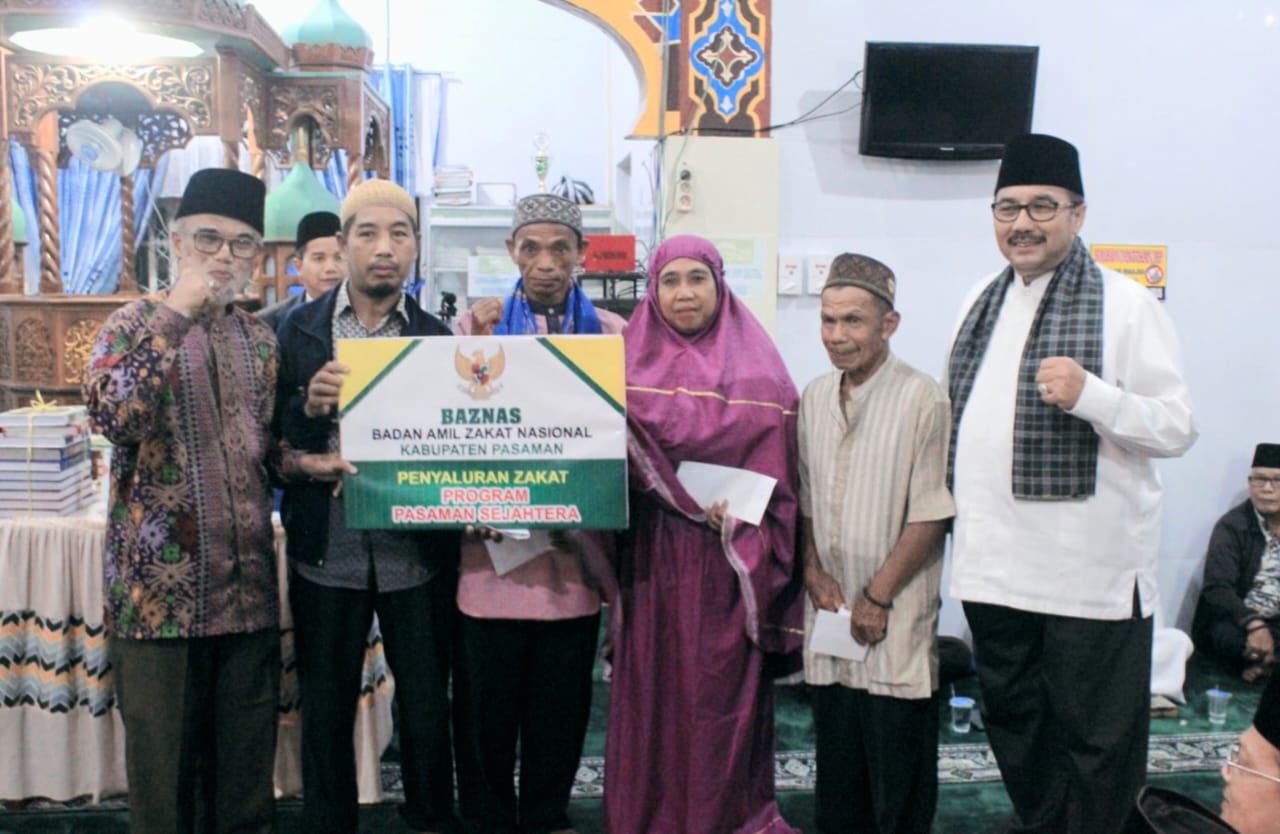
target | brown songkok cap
x=850, y=270
x=547, y=208
x=1267, y=455
x=378, y=192
x=1039, y=159
x=226, y=193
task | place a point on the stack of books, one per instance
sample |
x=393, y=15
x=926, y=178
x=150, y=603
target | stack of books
x=45, y=465
x=453, y=185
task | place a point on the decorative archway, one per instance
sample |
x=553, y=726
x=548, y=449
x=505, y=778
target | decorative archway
x=716, y=77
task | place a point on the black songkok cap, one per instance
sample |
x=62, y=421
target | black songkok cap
x=226, y=193
x=1267, y=455
x=1161, y=811
x=316, y=224
x=1267, y=719
x=1037, y=159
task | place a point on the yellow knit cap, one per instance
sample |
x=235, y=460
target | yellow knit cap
x=377, y=192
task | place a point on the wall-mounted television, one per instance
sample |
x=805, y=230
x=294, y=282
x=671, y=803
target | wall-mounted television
x=945, y=100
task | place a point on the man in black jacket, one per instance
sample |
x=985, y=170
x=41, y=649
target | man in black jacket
x=339, y=578
x=1238, y=617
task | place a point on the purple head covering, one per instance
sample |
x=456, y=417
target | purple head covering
x=721, y=395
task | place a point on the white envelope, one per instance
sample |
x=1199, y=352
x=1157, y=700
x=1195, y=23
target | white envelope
x=516, y=548
x=831, y=636
x=747, y=492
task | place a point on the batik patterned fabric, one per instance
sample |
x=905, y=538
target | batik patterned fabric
x=187, y=403
x=1264, y=596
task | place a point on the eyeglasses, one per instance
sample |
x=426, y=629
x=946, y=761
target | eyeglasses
x=1233, y=760
x=1007, y=211
x=210, y=243
x=1264, y=481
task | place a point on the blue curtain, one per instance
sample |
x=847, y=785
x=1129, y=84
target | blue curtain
x=417, y=120
x=334, y=178
x=89, y=220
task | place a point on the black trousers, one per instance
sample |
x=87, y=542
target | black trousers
x=877, y=762
x=200, y=731
x=1066, y=703
x=330, y=628
x=525, y=682
x=1226, y=641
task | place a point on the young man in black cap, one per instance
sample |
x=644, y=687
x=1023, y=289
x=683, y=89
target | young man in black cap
x=184, y=384
x=1238, y=616
x=339, y=577
x=1065, y=382
x=319, y=260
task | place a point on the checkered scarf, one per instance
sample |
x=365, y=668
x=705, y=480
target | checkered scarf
x=1055, y=455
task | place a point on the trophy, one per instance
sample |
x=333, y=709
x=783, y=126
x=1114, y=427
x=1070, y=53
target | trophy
x=541, y=159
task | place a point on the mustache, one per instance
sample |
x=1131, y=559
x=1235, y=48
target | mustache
x=1024, y=237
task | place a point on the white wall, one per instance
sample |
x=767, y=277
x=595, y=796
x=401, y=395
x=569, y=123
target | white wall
x=1172, y=107
x=1171, y=103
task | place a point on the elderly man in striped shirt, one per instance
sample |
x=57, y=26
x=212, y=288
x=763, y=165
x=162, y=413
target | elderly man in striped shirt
x=875, y=506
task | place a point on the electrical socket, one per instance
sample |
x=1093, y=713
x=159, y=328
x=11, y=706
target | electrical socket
x=790, y=274
x=816, y=273
x=684, y=189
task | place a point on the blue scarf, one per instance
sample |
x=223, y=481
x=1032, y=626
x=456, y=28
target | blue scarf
x=518, y=317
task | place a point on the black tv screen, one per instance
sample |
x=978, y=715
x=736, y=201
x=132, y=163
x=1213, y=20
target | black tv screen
x=945, y=100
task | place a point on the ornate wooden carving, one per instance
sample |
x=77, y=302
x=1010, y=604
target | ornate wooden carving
x=321, y=102
x=76, y=348
x=34, y=88
x=52, y=339
x=33, y=351
x=160, y=132
x=128, y=260
x=9, y=282
x=330, y=57
x=46, y=165
x=6, y=361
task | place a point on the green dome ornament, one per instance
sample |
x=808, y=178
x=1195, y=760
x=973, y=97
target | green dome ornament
x=299, y=195
x=329, y=40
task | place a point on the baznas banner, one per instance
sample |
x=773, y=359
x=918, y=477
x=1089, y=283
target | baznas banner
x=503, y=431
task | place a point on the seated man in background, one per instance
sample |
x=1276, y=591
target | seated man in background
x=1237, y=619
x=319, y=260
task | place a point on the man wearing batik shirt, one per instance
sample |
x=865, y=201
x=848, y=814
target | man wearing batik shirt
x=1238, y=617
x=1065, y=382
x=874, y=508
x=528, y=637
x=183, y=384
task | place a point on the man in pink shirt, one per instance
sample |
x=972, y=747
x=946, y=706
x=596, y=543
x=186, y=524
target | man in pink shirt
x=528, y=637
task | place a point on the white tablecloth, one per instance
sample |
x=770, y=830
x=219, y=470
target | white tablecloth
x=60, y=733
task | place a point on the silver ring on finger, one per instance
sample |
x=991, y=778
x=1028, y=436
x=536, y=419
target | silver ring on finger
x=1043, y=389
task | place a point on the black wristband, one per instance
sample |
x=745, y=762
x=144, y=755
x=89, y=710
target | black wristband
x=883, y=606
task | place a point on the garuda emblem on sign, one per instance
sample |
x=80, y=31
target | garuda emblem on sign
x=480, y=373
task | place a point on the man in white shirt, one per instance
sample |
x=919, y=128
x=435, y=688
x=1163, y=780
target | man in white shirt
x=1065, y=381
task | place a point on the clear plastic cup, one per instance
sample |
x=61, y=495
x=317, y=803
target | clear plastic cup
x=1219, y=700
x=961, y=713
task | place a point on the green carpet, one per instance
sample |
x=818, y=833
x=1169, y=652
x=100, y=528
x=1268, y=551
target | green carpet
x=1186, y=754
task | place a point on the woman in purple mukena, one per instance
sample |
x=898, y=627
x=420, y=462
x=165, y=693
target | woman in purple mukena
x=711, y=606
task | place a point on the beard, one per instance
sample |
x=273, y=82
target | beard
x=222, y=294
x=380, y=291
